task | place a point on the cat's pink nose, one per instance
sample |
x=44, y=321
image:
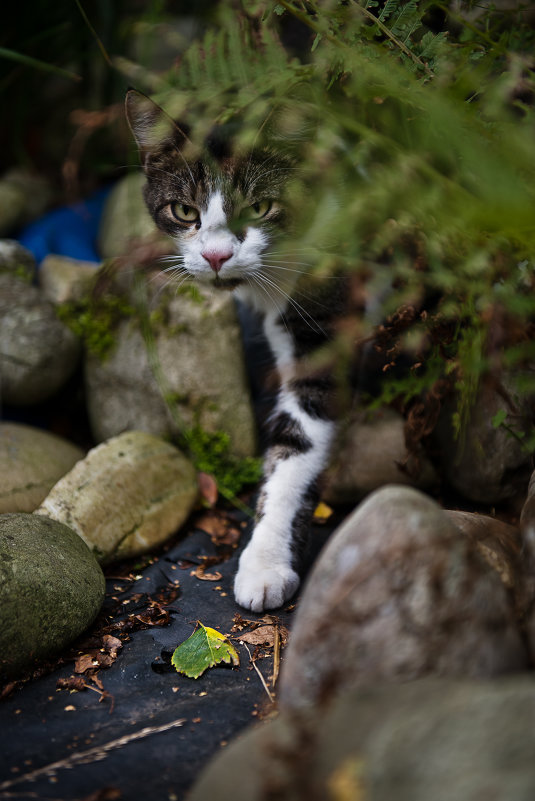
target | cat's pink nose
x=216, y=258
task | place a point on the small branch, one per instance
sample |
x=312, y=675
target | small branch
x=253, y=663
x=95, y=754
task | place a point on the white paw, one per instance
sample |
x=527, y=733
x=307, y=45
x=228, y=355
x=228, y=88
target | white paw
x=260, y=586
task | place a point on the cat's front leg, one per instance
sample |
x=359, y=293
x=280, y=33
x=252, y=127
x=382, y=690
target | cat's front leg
x=267, y=575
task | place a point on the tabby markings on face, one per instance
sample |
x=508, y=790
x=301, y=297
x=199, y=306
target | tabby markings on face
x=217, y=242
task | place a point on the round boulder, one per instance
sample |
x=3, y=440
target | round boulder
x=31, y=461
x=51, y=589
x=127, y=496
x=430, y=739
x=398, y=593
x=38, y=352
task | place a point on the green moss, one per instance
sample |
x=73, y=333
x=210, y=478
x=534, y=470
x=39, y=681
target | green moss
x=22, y=271
x=210, y=452
x=94, y=320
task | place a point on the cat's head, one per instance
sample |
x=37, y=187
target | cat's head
x=223, y=209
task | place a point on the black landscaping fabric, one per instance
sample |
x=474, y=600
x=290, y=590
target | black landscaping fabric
x=146, y=732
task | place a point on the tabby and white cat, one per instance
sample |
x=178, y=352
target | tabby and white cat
x=226, y=214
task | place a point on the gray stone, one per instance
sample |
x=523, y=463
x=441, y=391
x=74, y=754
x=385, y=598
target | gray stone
x=17, y=260
x=429, y=739
x=499, y=543
x=488, y=464
x=195, y=362
x=527, y=529
x=31, y=461
x=126, y=497
x=64, y=279
x=24, y=196
x=38, y=352
x=51, y=589
x=398, y=593
x=125, y=219
x=371, y=454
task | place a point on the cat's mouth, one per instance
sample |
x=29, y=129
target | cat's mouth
x=226, y=283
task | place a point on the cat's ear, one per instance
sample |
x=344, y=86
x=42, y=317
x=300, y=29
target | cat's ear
x=152, y=128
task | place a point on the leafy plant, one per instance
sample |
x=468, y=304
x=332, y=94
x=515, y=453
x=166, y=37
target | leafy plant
x=417, y=164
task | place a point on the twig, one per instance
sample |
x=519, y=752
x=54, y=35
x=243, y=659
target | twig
x=276, y=654
x=264, y=685
x=95, y=754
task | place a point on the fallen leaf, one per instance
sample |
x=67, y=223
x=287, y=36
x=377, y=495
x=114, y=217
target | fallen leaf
x=85, y=662
x=208, y=488
x=71, y=683
x=205, y=648
x=221, y=530
x=264, y=635
x=111, y=644
x=322, y=512
x=200, y=573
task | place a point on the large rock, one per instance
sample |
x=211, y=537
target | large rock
x=24, y=196
x=51, y=589
x=17, y=260
x=195, y=361
x=64, y=279
x=429, y=739
x=398, y=593
x=125, y=218
x=372, y=453
x=31, y=461
x=38, y=352
x=487, y=463
x=127, y=496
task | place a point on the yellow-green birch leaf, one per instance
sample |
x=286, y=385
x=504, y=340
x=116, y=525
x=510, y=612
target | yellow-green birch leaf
x=205, y=648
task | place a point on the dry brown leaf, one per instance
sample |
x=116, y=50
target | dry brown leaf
x=265, y=635
x=85, y=662
x=111, y=644
x=208, y=488
x=200, y=573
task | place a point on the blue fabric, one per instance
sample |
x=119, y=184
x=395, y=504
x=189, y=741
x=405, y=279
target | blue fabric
x=68, y=231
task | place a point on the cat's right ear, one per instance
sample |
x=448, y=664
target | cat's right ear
x=152, y=128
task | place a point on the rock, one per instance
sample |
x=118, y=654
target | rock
x=497, y=542
x=24, y=196
x=31, y=461
x=527, y=530
x=429, y=739
x=38, y=352
x=51, y=589
x=397, y=594
x=196, y=361
x=64, y=279
x=373, y=453
x=16, y=260
x=487, y=464
x=127, y=496
x=125, y=218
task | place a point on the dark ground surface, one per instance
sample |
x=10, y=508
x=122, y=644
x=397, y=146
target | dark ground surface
x=62, y=744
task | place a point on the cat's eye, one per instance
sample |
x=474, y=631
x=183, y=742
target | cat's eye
x=184, y=213
x=260, y=209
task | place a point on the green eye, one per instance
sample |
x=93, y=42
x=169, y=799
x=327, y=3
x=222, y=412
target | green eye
x=184, y=213
x=260, y=209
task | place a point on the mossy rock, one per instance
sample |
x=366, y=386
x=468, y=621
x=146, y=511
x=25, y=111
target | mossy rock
x=31, y=461
x=51, y=589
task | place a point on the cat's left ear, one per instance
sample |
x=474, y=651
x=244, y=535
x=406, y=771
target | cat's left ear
x=151, y=126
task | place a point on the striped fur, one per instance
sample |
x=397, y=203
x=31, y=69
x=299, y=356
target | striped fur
x=227, y=216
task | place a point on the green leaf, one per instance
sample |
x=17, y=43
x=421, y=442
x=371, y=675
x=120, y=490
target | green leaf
x=205, y=648
x=499, y=418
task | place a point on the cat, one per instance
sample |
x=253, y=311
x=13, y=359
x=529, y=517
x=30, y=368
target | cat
x=228, y=216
